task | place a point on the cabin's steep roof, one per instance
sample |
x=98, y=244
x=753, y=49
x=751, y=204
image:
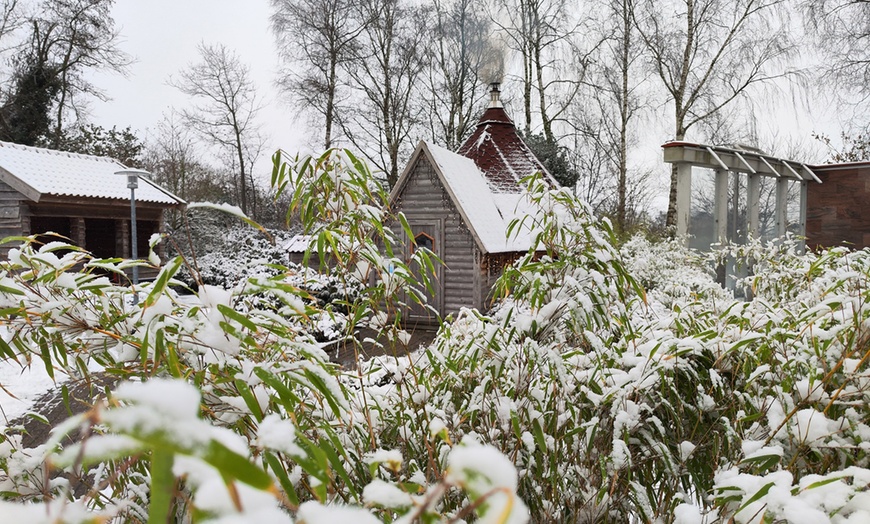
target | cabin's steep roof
x=486, y=213
x=35, y=172
x=497, y=149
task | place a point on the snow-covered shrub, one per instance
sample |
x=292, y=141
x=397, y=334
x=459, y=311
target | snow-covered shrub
x=589, y=394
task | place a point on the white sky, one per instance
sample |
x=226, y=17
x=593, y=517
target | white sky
x=162, y=36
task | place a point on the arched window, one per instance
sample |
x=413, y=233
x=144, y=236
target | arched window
x=423, y=240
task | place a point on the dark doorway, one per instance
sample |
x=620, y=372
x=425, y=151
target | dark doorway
x=60, y=225
x=100, y=237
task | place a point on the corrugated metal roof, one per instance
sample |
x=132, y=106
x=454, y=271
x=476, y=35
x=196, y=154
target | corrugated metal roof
x=38, y=171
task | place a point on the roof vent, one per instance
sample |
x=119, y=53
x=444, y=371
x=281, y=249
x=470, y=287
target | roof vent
x=494, y=100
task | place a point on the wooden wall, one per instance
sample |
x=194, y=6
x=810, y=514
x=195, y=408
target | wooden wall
x=13, y=220
x=17, y=216
x=837, y=208
x=425, y=201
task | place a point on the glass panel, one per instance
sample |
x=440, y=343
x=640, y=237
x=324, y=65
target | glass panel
x=424, y=240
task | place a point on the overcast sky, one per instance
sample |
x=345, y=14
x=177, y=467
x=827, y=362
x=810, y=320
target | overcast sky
x=162, y=36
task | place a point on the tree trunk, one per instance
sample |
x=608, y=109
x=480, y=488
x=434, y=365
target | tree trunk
x=623, y=121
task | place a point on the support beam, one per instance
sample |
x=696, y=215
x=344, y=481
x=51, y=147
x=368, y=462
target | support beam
x=781, y=212
x=684, y=199
x=753, y=205
x=772, y=170
x=717, y=159
x=720, y=207
x=745, y=163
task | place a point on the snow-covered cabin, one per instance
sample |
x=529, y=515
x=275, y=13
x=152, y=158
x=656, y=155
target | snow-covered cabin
x=77, y=196
x=459, y=206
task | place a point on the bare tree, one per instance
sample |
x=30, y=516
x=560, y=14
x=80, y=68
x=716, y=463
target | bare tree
x=707, y=53
x=540, y=31
x=463, y=61
x=171, y=154
x=606, y=119
x=315, y=39
x=842, y=31
x=225, y=115
x=66, y=39
x=384, y=73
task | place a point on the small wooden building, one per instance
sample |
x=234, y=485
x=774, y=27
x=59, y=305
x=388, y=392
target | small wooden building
x=459, y=206
x=77, y=196
x=837, y=209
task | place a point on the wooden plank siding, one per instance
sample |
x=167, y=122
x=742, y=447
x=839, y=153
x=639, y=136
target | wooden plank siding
x=13, y=217
x=17, y=214
x=424, y=200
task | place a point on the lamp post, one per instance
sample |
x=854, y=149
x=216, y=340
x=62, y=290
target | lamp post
x=133, y=183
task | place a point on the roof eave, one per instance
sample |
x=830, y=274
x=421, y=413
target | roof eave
x=29, y=192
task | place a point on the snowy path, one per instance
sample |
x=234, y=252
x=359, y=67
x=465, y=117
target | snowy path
x=26, y=384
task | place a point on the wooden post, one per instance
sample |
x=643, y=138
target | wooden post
x=753, y=205
x=77, y=232
x=684, y=200
x=122, y=238
x=781, y=212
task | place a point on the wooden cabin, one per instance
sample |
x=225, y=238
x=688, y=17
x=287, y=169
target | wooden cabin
x=459, y=206
x=837, y=209
x=79, y=197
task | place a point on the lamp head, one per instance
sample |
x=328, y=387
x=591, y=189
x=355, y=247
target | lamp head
x=133, y=176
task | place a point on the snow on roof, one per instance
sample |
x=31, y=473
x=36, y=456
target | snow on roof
x=35, y=172
x=500, y=153
x=487, y=213
x=298, y=243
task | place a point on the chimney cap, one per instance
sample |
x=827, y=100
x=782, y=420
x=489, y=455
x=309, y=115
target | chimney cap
x=494, y=95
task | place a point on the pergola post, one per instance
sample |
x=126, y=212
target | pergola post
x=753, y=205
x=803, y=216
x=720, y=207
x=720, y=217
x=684, y=199
x=781, y=211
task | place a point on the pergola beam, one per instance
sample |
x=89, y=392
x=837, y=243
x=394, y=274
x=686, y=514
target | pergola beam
x=735, y=160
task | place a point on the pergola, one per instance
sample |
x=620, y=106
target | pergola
x=754, y=164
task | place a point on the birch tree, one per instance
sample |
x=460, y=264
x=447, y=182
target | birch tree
x=463, y=61
x=225, y=112
x=315, y=40
x=606, y=120
x=385, y=72
x=707, y=53
x=842, y=31
x=540, y=32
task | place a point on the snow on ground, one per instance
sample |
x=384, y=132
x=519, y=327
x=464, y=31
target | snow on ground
x=26, y=385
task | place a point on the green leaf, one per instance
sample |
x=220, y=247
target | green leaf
x=231, y=313
x=538, y=433
x=329, y=446
x=236, y=466
x=158, y=288
x=162, y=486
x=278, y=469
x=758, y=495
x=249, y=398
